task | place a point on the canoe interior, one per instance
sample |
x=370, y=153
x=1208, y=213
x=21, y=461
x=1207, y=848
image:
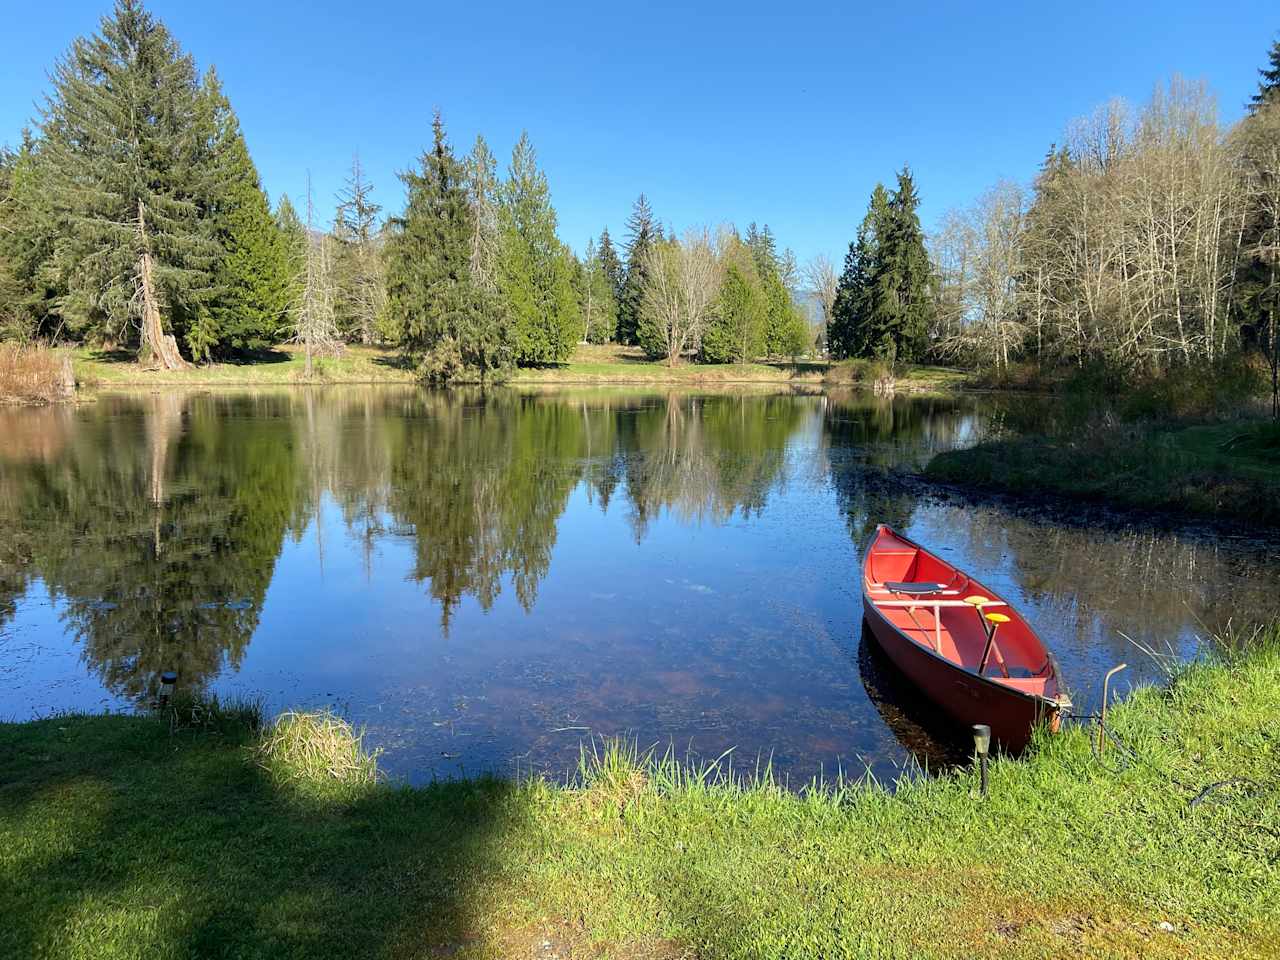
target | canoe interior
x=943, y=623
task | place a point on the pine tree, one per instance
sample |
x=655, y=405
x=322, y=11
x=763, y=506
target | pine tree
x=641, y=237
x=611, y=265
x=1270, y=79
x=128, y=145
x=851, y=333
x=293, y=236
x=254, y=282
x=448, y=324
x=360, y=281
x=535, y=275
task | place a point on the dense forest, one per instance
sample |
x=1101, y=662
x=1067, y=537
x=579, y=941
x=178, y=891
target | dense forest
x=132, y=218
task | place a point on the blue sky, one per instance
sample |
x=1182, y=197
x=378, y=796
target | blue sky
x=786, y=113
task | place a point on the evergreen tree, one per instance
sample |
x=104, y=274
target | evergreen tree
x=360, y=281
x=254, y=283
x=1270, y=79
x=851, y=334
x=535, y=275
x=611, y=265
x=736, y=332
x=128, y=143
x=901, y=309
x=447, y=323
x=486, y=233
x=596, y=304
x=27, y=299
x=641, y=236
x=293, y=237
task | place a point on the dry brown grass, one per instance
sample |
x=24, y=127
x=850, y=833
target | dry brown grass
x=34, y=374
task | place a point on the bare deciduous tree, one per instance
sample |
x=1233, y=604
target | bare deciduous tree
x=682, y=282
x=315, y=324
x=821, y=278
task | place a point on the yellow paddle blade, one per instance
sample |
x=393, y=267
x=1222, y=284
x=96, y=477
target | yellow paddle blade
x=977, y=600
x=996, y=617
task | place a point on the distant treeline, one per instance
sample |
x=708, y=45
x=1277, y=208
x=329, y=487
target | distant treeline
x=133, y=217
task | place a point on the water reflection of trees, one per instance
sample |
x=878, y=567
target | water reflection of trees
x=158, y=520
x=158, y=529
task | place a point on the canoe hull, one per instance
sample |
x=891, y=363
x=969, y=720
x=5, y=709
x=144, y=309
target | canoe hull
x=962, y=695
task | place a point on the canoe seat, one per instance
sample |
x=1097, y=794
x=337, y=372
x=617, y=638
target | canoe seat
x=912, y=588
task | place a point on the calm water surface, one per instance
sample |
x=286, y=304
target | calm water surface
x=487, y=582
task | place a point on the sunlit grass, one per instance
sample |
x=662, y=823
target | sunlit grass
x=120, y=836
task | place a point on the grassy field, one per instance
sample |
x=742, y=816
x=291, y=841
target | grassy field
x=1227, y=470
x=608, y=364
x=141, y=837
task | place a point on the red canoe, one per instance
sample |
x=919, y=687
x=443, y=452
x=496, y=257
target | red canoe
x=959, y=642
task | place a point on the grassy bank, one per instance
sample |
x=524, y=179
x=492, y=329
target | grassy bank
x=122, y=837
x=608, y=364
x=282, y=365
x=1227, y=470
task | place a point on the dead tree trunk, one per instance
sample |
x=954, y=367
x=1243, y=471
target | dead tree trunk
x=158, y=349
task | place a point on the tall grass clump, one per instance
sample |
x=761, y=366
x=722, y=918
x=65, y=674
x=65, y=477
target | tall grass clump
x=319, y=754
x=33, y=373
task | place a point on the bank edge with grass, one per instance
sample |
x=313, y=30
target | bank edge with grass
x=193, y=832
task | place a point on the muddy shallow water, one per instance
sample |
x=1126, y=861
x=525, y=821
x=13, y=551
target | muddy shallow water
x=486, y=582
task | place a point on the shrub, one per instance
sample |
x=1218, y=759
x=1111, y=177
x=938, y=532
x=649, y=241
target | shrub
x=34, y=374
x=319, y=754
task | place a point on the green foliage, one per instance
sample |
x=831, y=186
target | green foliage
x=596, y=303
x=27, y=297
x=736, y=333
x=1269, y=81
x=851, y=334
x=641, y=236
x=447, y=323
x=360, y=284
x=254, y=276
x=611, y=265
x=883, y=305
x=125, y=129
x=535, y=270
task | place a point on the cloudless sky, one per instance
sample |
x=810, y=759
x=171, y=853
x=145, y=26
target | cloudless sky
x=785, y=113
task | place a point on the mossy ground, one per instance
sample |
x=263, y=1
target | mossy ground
x=130, y=836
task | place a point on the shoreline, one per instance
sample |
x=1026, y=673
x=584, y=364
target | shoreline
x=170, y=821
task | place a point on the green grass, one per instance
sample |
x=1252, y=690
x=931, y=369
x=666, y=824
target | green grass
x=284, y=364
x=127, y=836
x=1227, y=470
x=606, y=364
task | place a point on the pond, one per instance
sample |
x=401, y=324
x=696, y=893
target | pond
x=486, y=583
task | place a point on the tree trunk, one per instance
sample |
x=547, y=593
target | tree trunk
x=158, y=348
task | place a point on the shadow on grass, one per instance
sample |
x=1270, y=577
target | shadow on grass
x=118, y=355
x=396, y=361
x=139, y=842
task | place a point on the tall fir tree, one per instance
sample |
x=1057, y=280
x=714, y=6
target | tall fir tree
x=1269, y=79
x=611, y=264
x=851, y=333
x=358, y=268
x=535, y=275
x=254, y=285
x=128, y=143
x=486, y=230
x=596, y=301
x=901, y=307
x=28, y=300
x=641, y=237
x=448, y=325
